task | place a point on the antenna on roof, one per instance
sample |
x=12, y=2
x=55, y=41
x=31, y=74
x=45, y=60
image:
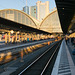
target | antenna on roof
x=26, y=2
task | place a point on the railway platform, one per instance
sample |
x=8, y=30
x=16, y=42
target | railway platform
x=65, y=62
x=11, y=46
x=14, y=65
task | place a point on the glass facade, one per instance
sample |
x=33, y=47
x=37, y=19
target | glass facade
x=26, y=9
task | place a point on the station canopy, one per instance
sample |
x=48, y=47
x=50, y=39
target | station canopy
x=18, y=17
x=66, y=11
x=50, y=24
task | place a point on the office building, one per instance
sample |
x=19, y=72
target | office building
x=26, y=9
x=42, y=10
x=33, y=11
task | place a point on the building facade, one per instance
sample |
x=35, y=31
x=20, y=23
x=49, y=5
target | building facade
x=42, y=10
x=26, y=9
x=33, y=11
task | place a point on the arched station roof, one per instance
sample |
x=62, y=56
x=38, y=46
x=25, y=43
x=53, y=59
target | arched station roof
x=18, y=16
x=51, y=23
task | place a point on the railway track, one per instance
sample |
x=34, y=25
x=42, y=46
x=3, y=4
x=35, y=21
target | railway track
x=42, y=63
x=17, y=56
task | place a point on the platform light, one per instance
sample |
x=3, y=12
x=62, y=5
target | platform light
x=2, y=32
x=18, y=32
x=70, y=31
x=20, y=27
x=12, y=31
x=63, y=8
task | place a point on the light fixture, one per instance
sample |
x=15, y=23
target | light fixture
x=2, y=32
x=12, y=31
x=70, y=31
x=20, y=27
x=63, y=8
x=18, y=32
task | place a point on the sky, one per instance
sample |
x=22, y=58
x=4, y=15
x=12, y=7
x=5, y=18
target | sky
x=19, y=4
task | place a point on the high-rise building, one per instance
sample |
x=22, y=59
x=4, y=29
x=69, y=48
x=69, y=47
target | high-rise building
x=33, y=11
x=26, y=9
x=42, y=10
